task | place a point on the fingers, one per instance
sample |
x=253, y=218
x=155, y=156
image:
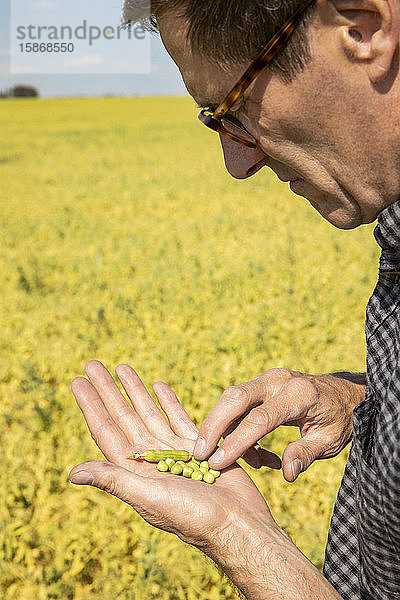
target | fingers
x=232, y=404
x=142, y=493
x=179, y=421
x=289, y=405
x=144, y=405
x=108, y=436
x=117, y=405
x=258, y=457
x=299, y=455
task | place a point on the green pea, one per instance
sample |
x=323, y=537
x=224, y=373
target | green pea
x=215, y=473
x=193, y=465
x=187, y=471
x=170, y=462
x=176, y=469
x=162, y=466
x=197, y=475
x=204, y=464
x=182, y=463
x=208, y=477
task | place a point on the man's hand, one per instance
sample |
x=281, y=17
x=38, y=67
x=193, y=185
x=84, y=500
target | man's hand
x=195, y=511
x=321, y=406
x=228, y=520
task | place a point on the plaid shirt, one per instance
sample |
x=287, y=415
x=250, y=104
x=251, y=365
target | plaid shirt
x=363, y=553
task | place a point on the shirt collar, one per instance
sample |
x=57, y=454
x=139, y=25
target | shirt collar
x=387, y=234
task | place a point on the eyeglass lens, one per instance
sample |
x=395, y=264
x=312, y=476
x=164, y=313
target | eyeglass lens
x=237, y=129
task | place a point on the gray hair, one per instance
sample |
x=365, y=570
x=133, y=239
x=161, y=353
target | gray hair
x=232, y=32
x=135, y=11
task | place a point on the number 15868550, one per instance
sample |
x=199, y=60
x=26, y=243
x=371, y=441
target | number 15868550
x=47, y=47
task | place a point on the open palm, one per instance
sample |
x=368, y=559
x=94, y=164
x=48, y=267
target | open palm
x=193, y=510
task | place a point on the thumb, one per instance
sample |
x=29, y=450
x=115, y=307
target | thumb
x=299, y=455
x=111, y=478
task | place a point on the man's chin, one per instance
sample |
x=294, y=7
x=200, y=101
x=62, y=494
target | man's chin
x=341, y=213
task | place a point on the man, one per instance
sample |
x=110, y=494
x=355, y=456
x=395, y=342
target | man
x=324, y=116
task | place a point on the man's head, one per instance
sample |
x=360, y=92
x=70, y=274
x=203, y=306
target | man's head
x=326, y=112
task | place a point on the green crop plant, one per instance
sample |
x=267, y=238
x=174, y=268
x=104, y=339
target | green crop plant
x=124, y=239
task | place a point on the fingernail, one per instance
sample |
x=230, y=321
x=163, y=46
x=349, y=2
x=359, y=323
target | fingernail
x=218, y=457
x=82, y=478
x=297, y=468
x=200, y=446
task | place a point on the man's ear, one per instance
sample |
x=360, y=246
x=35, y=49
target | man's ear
x=370, y=33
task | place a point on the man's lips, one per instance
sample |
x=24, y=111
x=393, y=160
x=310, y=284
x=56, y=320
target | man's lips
x=291, y=179
x=296, y=185
x=265, y=163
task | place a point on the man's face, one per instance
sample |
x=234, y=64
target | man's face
x=328, y=131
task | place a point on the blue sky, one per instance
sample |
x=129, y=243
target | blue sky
x=163, y=79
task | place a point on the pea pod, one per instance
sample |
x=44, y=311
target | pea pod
x=156, y=456
x=179, y=462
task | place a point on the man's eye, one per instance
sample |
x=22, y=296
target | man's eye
x=233, y=120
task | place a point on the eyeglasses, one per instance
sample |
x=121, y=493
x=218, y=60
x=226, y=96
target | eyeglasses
x=219, y=120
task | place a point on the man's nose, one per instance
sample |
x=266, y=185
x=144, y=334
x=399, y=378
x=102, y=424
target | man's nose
x=242, y=162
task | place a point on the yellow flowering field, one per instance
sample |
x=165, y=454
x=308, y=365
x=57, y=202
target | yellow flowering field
x=124, y=239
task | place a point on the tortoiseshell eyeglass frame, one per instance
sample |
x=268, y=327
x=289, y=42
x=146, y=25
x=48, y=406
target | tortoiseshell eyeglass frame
x=212, y=119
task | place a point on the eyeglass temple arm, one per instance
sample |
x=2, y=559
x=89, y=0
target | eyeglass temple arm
x=266, y=56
